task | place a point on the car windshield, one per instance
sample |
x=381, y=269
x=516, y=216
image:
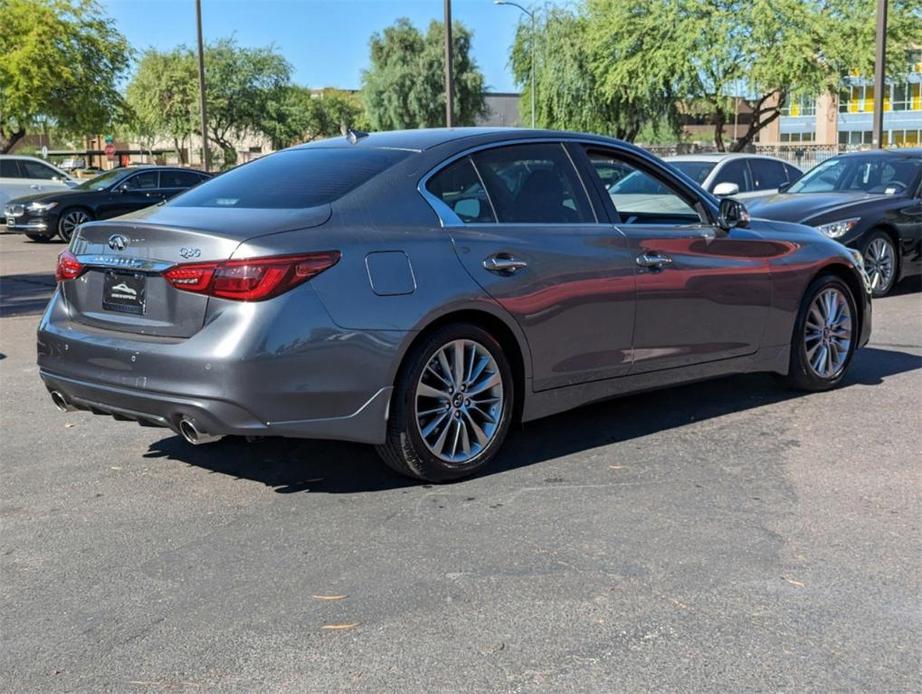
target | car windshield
x=102, y=180
x=880, y=175
x=292, y=179
x=695, y=170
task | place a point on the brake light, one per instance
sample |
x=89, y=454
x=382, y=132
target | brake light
x=68, y=268
x=253, y=279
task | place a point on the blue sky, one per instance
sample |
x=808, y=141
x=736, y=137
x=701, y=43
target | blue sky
x=326, y=41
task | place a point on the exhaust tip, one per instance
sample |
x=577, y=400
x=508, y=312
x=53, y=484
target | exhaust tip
x=57, y=397
x=192, y=434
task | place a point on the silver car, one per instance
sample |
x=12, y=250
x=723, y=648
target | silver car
x=744, y=176
x=423, y=290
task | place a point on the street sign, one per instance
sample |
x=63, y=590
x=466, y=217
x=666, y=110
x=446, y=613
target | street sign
x=44, y=151
x=110, y=152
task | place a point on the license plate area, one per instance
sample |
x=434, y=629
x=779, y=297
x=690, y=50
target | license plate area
x=124, y=292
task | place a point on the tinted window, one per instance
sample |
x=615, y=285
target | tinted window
x=33, y=169
x=534, y=184
x=872, y=174
x=178, y=179
x=292, y=178
x=641, y=197
x=142, y=181
x=459, y=187
x=695, y=170
x=793, y=173
x=767, y=174
x=734, y=171
x=8, y=168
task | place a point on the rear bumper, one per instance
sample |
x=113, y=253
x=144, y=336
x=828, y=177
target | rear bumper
x=277, y=368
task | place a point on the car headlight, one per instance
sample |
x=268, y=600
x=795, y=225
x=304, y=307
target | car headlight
x=40, y=206
x=835, y=230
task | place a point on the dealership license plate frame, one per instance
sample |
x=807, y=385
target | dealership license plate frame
x=125, y=292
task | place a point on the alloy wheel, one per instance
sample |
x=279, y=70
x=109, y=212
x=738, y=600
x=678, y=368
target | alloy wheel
x=70, y=221
x=828, y=333
x=459, y=401
x=879, y=262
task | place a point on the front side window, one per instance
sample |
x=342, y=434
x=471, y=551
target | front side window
x=143, y=181
x=534, y=184
x=459, y=187
x=695, y=170
x=767, y=174
x=33, y=169
x=642, y=198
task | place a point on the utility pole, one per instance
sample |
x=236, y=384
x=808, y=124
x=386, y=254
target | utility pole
x=449, y=81
x=201, y=85
x=880, y=71
x=534, y=40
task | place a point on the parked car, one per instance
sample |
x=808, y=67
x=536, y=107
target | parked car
x=421, y=290
x=40, y=217
x=20, y=175
x=73, y=163
x=871, y=201
x=743, y=176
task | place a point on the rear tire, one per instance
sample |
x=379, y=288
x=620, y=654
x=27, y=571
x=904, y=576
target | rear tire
x=451, y=407
x=38, y=238
x=825, y=335
x=881, y=263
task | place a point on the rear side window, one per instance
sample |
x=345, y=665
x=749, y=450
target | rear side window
x=178, y=179
x=459, y=187
x=767, y=174
x=534, y=184
x=292, y=179
x=8, y=168
x=734, y=171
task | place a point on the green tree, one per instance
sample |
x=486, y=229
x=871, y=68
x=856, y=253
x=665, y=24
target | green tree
x=242, y=85
x=61, y=60
x=404, y=87
x=163, y=97
x=301, y=115
x=571, y=93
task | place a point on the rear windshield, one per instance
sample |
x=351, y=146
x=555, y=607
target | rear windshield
x=292, y=179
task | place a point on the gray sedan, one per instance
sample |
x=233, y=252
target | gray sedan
x=423, y=290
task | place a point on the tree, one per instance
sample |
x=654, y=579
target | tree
x=404, y=87
x=242, y=85
x=163, y=97
x=709, y=51
x=302, y=115
x=61, y=60
x=571, y=93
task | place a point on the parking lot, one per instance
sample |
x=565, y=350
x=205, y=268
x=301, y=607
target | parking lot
x=725, y=536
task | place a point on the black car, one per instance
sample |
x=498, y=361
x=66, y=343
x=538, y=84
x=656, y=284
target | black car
x=41, y=217
x=871, y=201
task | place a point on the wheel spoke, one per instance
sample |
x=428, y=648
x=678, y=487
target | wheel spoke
x=433, y=425
x=479, y=433
x=491, y=381
x=426, y=391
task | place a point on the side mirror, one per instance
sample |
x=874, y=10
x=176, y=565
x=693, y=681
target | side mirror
x=732, y=214
x=726, y=188
x=784, y=186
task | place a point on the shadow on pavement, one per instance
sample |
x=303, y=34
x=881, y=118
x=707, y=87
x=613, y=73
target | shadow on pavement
x=290, y=465
x=23, y=295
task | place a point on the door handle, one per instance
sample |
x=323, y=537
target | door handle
x=503, y=264
x=35, y=186
x=653, y=260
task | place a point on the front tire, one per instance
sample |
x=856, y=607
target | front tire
x=452, y=406
x=825, y=335
x=880, y=262
x=38, y=238
x=70, y=220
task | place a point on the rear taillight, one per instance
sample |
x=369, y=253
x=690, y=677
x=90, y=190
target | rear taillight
x=253, y=279
x=68, y=268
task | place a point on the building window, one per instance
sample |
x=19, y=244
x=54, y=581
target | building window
x=800, y=106
x=901, y=96
x=798, y=137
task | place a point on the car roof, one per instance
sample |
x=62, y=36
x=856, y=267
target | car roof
x=24, y=156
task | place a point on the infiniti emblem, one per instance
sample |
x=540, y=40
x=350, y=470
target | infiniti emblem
x=117, y=242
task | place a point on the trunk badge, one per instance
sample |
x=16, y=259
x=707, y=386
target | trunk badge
x=117, y=242
x=190, y=252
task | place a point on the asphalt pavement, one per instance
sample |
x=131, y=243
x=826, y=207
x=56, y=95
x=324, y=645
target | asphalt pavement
x=723, y=536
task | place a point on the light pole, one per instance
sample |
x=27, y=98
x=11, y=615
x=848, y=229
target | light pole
x=201, y=85
x=880, y=73
x=531, y=15
x=449, y=78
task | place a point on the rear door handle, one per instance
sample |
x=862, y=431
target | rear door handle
x=653, y=260
x=503, y=263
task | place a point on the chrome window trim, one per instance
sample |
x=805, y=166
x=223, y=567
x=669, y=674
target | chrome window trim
x=447, y=216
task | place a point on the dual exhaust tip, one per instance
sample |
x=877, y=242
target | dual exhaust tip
x=187, y=427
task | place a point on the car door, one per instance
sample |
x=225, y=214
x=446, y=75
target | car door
x=702, y=294
x=523, y=226
x=41, y=177
x=135, y=192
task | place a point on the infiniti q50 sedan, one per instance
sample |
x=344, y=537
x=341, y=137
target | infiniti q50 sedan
x=423, y=290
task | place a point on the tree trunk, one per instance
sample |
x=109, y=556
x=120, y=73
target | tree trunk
x=719, y=120
x=761, y=117
x=8, y=140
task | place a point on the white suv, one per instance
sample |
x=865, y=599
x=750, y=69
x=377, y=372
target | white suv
x=21, y=176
